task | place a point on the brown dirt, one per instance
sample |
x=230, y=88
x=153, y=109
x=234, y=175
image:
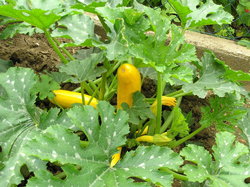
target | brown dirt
x=33, y=52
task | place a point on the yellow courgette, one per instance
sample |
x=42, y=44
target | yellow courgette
x=129, y=82
x=66, y=98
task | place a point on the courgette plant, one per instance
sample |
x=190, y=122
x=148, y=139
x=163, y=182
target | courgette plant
x=101, y=145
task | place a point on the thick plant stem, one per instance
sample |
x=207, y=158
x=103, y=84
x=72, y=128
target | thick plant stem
x=55, y=47
x=175, y=144
x=183, y=94
x=170, y=117
x=159, y=103
x=176, y=175
x=103, y=86
x=82, y=92
x=65, y=50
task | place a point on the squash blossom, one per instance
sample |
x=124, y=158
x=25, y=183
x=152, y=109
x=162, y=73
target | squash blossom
x=158, y=139
x=116, y=157
x=167, y=101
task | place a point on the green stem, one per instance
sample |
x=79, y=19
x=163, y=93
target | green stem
x=94, y=94
x=159, y=103
x=170, y=117
x=175, y=144
x=87, y=88
x=55, y=47
x=103, y=86
x=64, y=50
x=183, y=94
x=174, y=93
x=82, y=92
x=176, y=175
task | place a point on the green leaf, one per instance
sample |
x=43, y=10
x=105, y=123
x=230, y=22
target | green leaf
x=22, y=28
x=244, y=126
x=44, y=87
x=78, y=27
x=215, y=76
x=179, y=125
x=117, y=48
x=5, y=65
x=140, y=110
x=224, y=112
x=244, y=16
x=59, y=77
x=36, y=17
x=54, y=116
x=16, y=108
x=148, y=72
x=110, y=3
x=226, y=170
x=86, y=69
x=194, y=13
x=17, y=122
x=44, y=4
x=105, y=134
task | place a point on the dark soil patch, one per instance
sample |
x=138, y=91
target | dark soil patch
x=32, y=52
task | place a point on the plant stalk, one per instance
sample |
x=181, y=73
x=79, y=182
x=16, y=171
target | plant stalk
x=159, y=103
x=55, y=47
x=82, y=92
x=175, y=144
x=64, y=50
x=170, y=117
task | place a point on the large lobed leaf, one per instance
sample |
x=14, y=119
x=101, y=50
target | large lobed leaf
x=83, y=70
x=217, y=77
x=78, y=27
x=36, y=17
x=17, y=122
x=223, y=112
x=194, y=13
x=89, y=166
x=140, y=110
x=19, y=119
x=226, y=170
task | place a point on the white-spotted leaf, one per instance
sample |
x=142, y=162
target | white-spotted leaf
x=227, y=169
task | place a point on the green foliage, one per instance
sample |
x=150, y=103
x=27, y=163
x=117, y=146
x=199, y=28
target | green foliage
x=244, y=126
x=21, y=28
x=78, y=27
x=225, y=170
x=36, y=17
x=44, y=4
x=179, y=125
x=195, y=13
x=140, y=110
x=89, y=137
x=217, y=77
x=86, y=69
x=243, y=11
x=224, y=112
x=17, y=124
x=94, y=159
x=44, y=87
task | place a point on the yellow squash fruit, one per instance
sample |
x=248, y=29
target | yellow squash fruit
x=66, y=98
x=129, y=82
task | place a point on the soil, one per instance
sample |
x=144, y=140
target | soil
x=32, y=52
x=35, y=52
